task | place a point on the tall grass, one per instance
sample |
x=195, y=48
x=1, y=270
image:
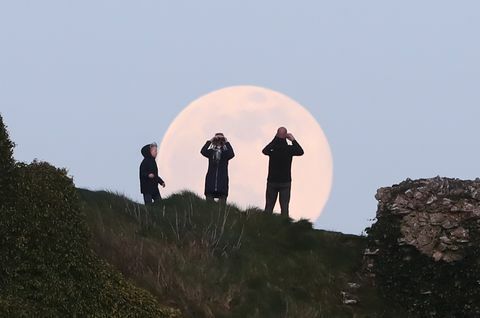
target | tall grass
x=219, y=261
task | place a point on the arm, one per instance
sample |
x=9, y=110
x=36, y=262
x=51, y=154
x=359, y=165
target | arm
x=268, y=148
x=160, y=180
x=296, y=149
x=205, y=149
x=229, y=153
x=144, y=170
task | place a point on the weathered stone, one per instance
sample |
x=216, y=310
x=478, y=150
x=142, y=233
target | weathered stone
x=455, y=208
x=445, y=240
x=437, y=256
x=370, y=252
x=460, y=235
x=409, y=193
x=349, y=299
x=447, y=201
x=448, y=224
x=431, y=199
x=437, y=218
x=418, y=195
x=401, y=201
x=432, y=214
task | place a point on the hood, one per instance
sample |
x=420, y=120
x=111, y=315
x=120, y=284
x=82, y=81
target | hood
x=146, y=151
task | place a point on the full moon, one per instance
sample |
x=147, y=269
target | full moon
x=249, y=117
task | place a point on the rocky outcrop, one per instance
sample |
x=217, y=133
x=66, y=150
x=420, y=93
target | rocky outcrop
x=432, y=214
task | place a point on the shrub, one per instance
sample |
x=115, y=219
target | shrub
x=7, y=165
x=47, y=268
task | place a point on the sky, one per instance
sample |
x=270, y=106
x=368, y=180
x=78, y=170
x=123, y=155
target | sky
x=393, y=84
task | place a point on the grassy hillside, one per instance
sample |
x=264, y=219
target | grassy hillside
x=211, y=261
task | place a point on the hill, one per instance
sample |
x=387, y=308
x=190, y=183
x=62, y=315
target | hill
x=211, y=261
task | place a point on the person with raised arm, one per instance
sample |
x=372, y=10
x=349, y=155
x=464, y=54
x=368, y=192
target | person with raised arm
x=219, y=152
x=279, y=182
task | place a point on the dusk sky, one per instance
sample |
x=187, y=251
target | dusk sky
x=395, y=86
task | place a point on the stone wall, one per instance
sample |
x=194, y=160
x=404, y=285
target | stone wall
x=424, y=246
x=433, y=214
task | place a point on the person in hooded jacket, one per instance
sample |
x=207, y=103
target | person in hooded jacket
x=219, y=152
x=279, y=181
x=149, y=178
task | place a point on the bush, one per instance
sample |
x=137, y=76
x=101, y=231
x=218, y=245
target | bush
x=7, y=165
x=47, y=268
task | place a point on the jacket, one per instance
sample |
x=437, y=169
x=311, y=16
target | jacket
x=148, y=166
x=217, y=180
x=280, y=163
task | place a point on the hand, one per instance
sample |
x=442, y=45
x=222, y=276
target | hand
x=290, y=137
x=151, y=176
x=163, y=185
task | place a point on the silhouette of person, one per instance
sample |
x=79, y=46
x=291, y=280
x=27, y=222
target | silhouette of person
x=279, y=181
x=149, y=179
x=219, y=152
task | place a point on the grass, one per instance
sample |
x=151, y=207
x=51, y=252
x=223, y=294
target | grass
x=213, y=261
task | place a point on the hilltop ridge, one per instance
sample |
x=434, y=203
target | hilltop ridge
x=214, y=262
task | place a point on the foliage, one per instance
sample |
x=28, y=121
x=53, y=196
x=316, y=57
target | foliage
x=7, y=165
x=212, y=261
x=47, y=268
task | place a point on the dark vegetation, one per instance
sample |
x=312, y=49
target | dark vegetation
x=47, y=268
x=224, y=262
x=67, y=252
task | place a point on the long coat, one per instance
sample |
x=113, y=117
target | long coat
x=216, y=181
x=148, y=166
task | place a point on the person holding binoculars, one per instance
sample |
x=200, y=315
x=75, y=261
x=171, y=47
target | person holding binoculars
x=219, y=152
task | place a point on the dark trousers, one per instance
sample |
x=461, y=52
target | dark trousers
x=151, y=198
x=273, y=191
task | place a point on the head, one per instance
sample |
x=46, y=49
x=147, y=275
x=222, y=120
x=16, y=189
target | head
x=219, y=140
x=282, y=133
x=153, y=150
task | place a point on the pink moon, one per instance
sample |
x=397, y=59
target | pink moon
x=249, y=117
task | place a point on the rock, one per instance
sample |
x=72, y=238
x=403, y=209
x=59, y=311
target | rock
x=370, y=252
x=401, y=201
x=448, y=224
x=432, y=215
x=447, y=201
x=431, y=199
x=418, y=195
x=348, y=299
x=437, y=218
x=409, y=193
x=445, y=240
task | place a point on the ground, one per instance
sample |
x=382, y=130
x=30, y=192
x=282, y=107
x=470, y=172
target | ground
x=211, y=261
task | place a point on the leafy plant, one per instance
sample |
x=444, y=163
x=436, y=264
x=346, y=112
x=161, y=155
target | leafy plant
x=47, y=268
